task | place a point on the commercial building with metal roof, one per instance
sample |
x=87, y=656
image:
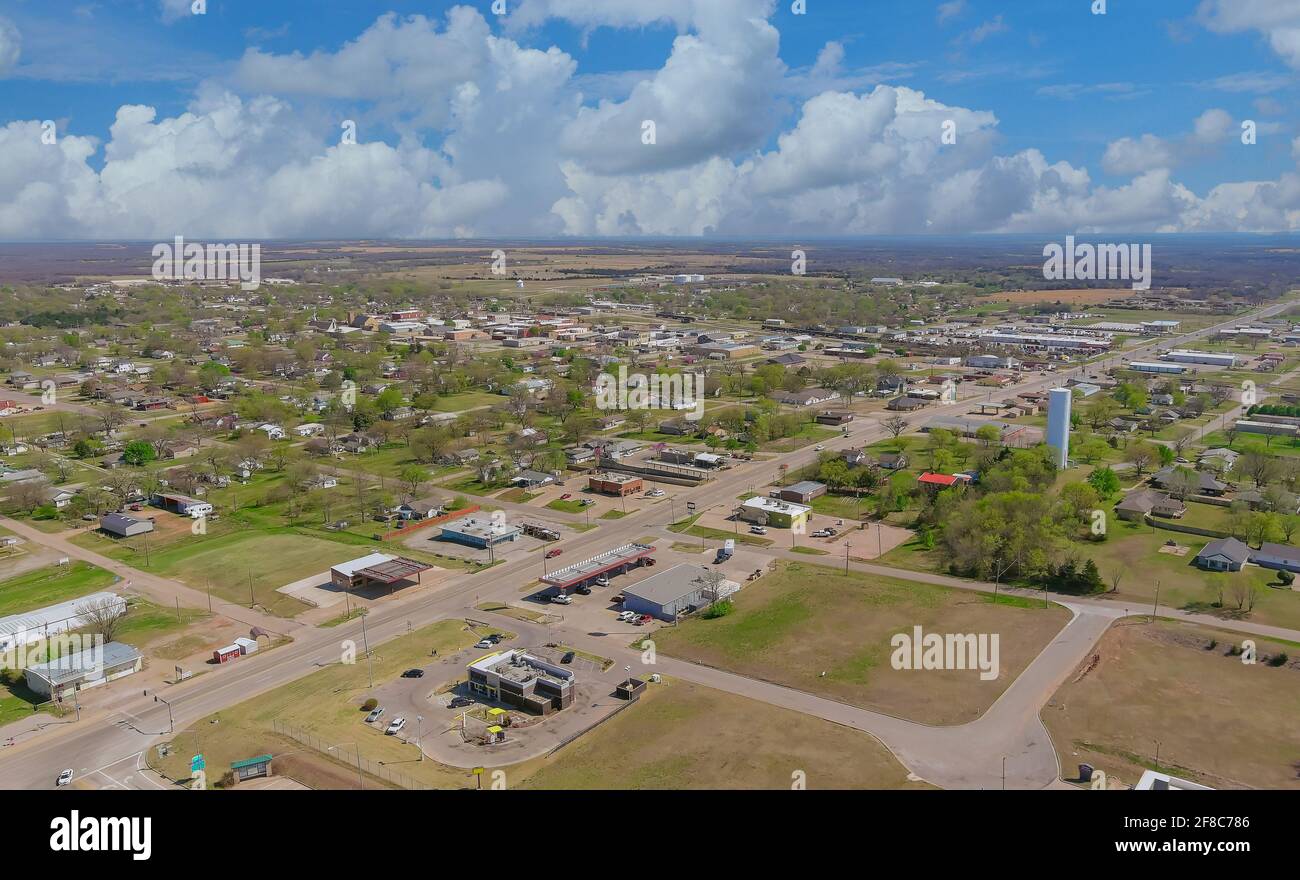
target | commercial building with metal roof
x=676, y=591
x=89, y=668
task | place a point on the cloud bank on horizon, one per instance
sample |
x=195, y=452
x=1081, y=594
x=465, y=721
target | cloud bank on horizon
x=489, y=128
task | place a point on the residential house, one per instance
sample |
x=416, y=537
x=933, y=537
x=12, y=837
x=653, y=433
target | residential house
x=1223, y=554
x=1283, y=557
x=1137, y=505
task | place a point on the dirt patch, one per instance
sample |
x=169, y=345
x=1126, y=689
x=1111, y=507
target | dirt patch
x=1213, y=719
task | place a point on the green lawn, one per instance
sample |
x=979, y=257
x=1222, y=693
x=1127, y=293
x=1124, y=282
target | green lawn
x=814, y=628
x=842, y=506
x=466, y=400
x=51, y=585
x=146, y=621
x=269, y=558
x=573, y=505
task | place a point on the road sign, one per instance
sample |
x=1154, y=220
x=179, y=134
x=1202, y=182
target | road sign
x=478, y=771
x=197, y=763
x=690, y=505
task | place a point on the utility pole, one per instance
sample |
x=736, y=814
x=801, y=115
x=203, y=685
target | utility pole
x=1155, y=603
x=208, y=581
x=251, y=599
x=847, y=545
x=365, y=642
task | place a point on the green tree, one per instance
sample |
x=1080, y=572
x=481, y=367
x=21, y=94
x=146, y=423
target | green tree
x=138, y=452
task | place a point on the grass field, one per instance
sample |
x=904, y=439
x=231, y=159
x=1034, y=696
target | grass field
x=326, y=704
x=1217, y=721
x=454, y=403
x=51, y=585
x=668, y=740
x=272, y=558
x=791, y=626
x=146, y=622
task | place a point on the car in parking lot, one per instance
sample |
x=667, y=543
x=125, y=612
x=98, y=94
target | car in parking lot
x=655, y=493
x=757, y=530
x=485, y=643
x=627, y=616
x=582, y=589
x=602, y=581
x=619, y=599
x=568, y=657
x=643, y=619
x=820, y=533
x=374, y=714
x=562, y=600
x=551, y=554
x=494, y=638
x=64, y=778
x=396, y=726
x=413, y=673
x=460, y=702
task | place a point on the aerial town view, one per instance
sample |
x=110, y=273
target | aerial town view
x=614, y=395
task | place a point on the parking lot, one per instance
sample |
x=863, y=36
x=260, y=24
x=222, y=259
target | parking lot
x=598, y=612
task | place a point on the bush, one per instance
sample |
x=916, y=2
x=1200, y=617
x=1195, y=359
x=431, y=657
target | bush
x=718, y=609
x=1286, y=577
x=369, y=705
x=1278, y=660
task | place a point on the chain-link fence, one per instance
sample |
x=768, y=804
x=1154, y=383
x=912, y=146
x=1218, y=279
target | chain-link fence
x=349, y=754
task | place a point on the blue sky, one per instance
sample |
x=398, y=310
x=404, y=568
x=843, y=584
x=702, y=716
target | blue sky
x=773, y=122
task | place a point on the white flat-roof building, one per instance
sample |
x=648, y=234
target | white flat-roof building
x=1210, y=358
x=1153, y=367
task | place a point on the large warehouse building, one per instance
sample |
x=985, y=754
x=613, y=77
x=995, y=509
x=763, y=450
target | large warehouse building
x=679, y=590
x=17, y=630
x=1209, y=358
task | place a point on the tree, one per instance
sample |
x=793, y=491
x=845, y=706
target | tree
x=1183, y=435
x=138, y=453
x=413, y=477
x=102, y=616
x=895, y=425
x=1141, y=455
x=1105, y=481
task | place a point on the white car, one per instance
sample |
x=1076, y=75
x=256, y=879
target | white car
x=396, y=725
x=65, y=777
x=602, y=581
x=820, y=447
x=561, y=600
x=484, y=643
x=627, y=616
x=655, y=493
x=757, y=530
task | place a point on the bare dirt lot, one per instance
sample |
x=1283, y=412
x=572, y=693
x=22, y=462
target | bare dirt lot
x=1217, y=721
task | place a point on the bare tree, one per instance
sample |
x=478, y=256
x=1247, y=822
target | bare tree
x=895, y=425
x=103, y=616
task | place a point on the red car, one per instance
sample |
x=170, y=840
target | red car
x=551, y=554
x=566, y=496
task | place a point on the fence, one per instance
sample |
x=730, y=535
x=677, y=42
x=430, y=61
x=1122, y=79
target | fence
x=431, y=521
x=1171, y=526
x=349, y=756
